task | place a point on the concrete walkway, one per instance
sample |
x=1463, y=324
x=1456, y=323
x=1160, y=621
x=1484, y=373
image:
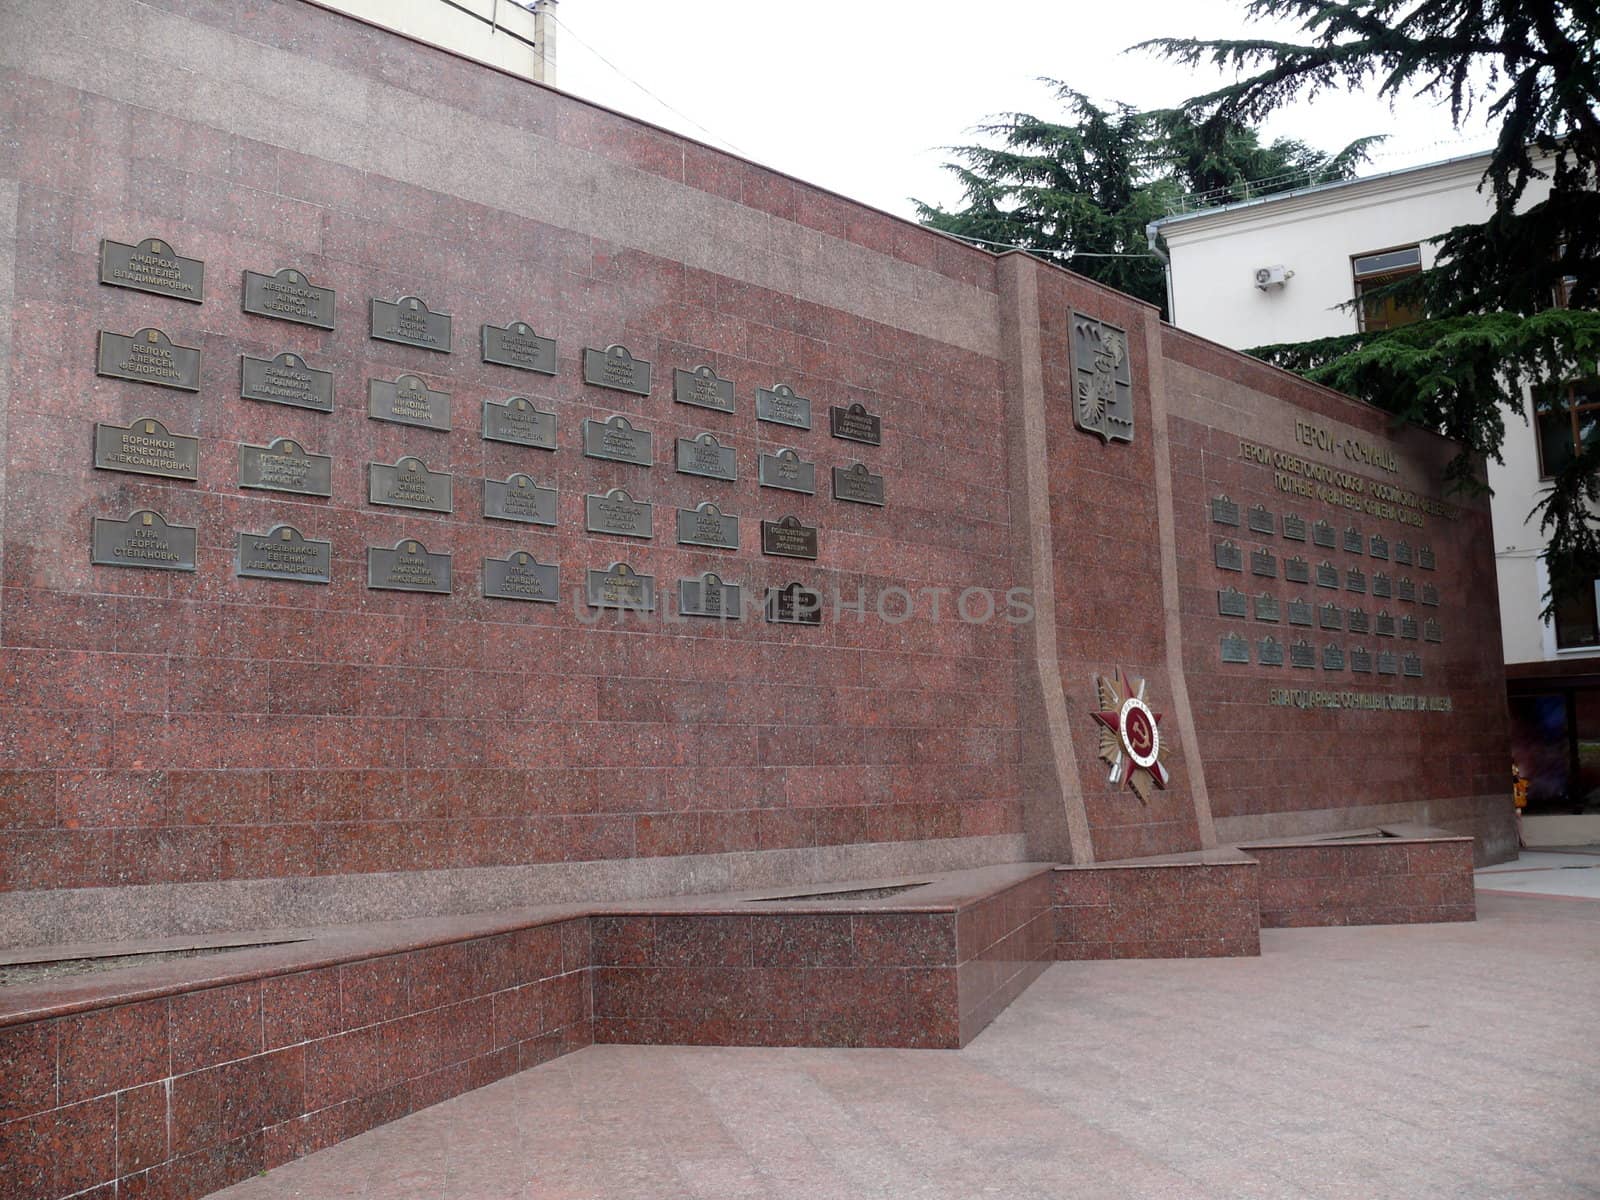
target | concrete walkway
x=1569, y=871
x=1445, y=1061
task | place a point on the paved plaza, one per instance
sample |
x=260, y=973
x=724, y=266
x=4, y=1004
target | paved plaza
x=1438, y=1061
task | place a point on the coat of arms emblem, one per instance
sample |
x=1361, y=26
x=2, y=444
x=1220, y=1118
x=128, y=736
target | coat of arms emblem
x=1102, y=379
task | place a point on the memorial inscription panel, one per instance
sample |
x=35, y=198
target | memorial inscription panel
x=152, y=266
x=286, y=380
x=409, y=322
x=787, y=471
x=620, y=586
x=1266, y=608
x=1232, y=603
x=517, y=345
x=1234, y=648
x=283, y=553
x=858, y=485
x=705, y=525
x=521, y=576
x=616, y=440
x=1269, y=652
x=706, y=457
x=408, y=401
x=408, y=567
x=1224, y=511
x=519, y=498
x=788, y=538
x=703, y=388
x=614, y=367
x=709, y=596
x=1228, y=556
x=518, y=422
x=288, y=295
x=409, y=484
x=618, y=513
x=1294, y=527
x=1261, y=520
x=794, y=604
x=144, y=540
x=284, y=465
x=1264, y=564
x=148, y=356
x=780, y=406
x=853, y=423
x=146, y=448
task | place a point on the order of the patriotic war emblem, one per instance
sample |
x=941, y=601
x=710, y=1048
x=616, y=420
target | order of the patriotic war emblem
x=1102, y=379
x=1130, y=733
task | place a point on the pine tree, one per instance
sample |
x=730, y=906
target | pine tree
x=1491, y=322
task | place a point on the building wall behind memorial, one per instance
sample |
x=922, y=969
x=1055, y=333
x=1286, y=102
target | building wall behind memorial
x=201, y=748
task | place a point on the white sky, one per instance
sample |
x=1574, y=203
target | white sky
x=861, y=97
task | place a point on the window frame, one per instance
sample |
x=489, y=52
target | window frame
x=1380, y=278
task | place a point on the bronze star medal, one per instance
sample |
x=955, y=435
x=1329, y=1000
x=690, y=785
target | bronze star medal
x=1130, y=737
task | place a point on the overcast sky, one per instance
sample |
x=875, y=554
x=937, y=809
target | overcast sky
x=862, y=97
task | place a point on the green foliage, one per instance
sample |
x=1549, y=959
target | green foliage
x=1078, y=192
x=1532, y=66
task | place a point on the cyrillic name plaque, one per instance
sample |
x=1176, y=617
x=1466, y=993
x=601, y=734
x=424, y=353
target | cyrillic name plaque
x=1299, y=612
x=788, y=471
x=283, y=553
x=1411, y=666
x=709, y=596
x=1353, y=543
x=1303, y=655
x=794, y=604
x=1402, y=553
x=1327, y=575
x=1297, y=570
x=1380, y=585
x=284, y=465
x=1260, y=520
x=1378, y=546
x=146, y=448
x=1386, y=662
x=1269, y=652
x=788, y=538
x=1294, y=527
x=408, y=567
x=705, y=525
x=1383, y=624
x=1264, y=563
x=287, y=295
x=1322, y=535
x=144, y=540
x=152, y=266
x=1332, y=657
x=703, y=388
x=1361, y=660
x=521, y=576
x=409, y=484
x=1408, y=628
x=1404, y=588
x=1359, y=621
x=618, y=513
x=408, y=401
x=855, y=424
x=1235, y=649
x=614, y=367
x=705, y=456
x=410, y=322
x=517, y=421
x=858, y=485
x=517, y=345
x=616, y=440
x=780, y=406
x=620, y=586
x=1231, y=602
x=1224, y=511
x=1425, y=557
x=1355, y=580
x=148, y=356
x=519, y=498
x=1330, y=616
x=286, y=380
x=1266, y=608
x=1228, y=556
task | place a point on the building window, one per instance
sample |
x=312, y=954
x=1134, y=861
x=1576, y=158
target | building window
x=1373, y=271
x=1577, y=621
x=1568, y=416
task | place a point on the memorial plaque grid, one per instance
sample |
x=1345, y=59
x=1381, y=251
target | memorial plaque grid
x=1359, y=621
x=1299, y=612
x=1297, y=570
x=709, y=596
x=616, y=440
x=284, y=465
x=793, y=604
x=1378, y=546
x=1430, y=595
x=1431, y=631
x=408, y=400
x=855, y=424
x=619, y=514
x=1425, y=558
x=706, y=525
x=706, y=457
x=1294, y=527
x=1361, y=660
x=1404, y=588
x=519, y=498
x=409, y=484
x=1355, y=581
x=857, y=485
x=1330, y=616
x=1411, y=666
x=1322, y=535
x=787, y=471
x=1332, y=657
x=1327, y=575
x=1263, y=563
x=788, y=538
x=1303, y=655
x=1386, y=662
x=1383, y=624
x=1380, y=586
x=1402, y=554
x=1353, y=542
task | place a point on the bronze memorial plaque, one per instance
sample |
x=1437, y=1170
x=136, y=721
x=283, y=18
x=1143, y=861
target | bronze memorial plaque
x=615, y=368
x=1297, y=570
x=1322, y=535
x=283, y=553
x=1228, y=557
x=152, y=266
x=1264, y=563
x=1234, y=648
x=286, y=380
x=1269, y=652
x=1361, y=660
x=409, y=322
x=1381, y=586
x=1330, y=616
x=408, y=401
x=1231, y=602
x=407, y=568
x=517, y=345
x=855, y=424
x=1303, y=654
x=1386, y=662
x=288, y=295
x=788, y=471
x=620, y=586
x=619, y=513
x=1425, y=557
x=1299, y=611
x=709, y=596
x=1261, y=520
x=1327, y=575
x=517, y=421
x=794, y=604
x=1359, y=620
x=705, y=525
x=1266, y=608
x=521, y=576
x=857, y=485
x=148, y=356
x=284, y=465
x=1353, y=543
x=1332, y=657
x=1294, y=527
x=519, y=498
x=1378, y=546
x=1431, y=631
x=1402, y=553
x=409, y=484
x=616, y=440
x=1404, y=588
x=146, y=448
x=1224, y=511
x=788, y=538
x=703, y=388
x=1411, y=666
x=707, y=457
x=144, y=540
x=780, y=406
x=1355, y=580
x=1383, y=623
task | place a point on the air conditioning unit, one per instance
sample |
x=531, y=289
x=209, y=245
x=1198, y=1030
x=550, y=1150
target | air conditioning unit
x=1271, y=277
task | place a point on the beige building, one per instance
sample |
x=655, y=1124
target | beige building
x=518, y=36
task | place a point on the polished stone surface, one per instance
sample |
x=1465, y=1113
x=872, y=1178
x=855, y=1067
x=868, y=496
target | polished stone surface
x=1446, y=1061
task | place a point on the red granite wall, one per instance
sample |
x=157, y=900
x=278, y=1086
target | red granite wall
x=1368, y=882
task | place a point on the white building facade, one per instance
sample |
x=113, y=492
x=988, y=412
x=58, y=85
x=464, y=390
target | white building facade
x=1285, y=268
